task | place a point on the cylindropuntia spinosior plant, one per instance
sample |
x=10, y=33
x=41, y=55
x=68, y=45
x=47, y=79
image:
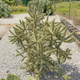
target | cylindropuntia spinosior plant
x=43, y=6
x=4, y=10
x=39, y=40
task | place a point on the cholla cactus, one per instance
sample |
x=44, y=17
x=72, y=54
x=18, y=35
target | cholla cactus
x=4, y=10
x=39, y=40
x=43, y=6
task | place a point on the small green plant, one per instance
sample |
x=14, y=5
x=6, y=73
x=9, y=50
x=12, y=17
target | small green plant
x=31, y=78
x=9, y=2
x=39, y=40
x=14, y=77
x=11, y=77
x=43, y=6
x=4, y=10
x=18, y=9
x=17, y=3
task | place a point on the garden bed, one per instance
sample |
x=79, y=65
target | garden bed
x=10, y=63
x=71, y=28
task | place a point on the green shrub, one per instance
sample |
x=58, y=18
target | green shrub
x=14, y=77
x=4, y=10
x=11, y=77
x=11, y=2
x=18, y=9
x=65, y=11
x=43, y=6
x=39, y=40
x=16, y=3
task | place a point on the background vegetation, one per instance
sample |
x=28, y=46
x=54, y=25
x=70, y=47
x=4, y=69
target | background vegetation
x=63, y=8
x=4, y=10
x=18, y=9
x=43, y=6
x=15, y=77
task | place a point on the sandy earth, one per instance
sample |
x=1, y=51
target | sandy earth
x=17, y=17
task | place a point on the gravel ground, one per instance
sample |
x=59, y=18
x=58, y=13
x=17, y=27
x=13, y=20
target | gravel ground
x=2, y=28
x=17, y=17
x=14, y=19
x=9, y=63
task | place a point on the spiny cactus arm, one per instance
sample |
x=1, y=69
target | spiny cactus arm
x=12, y=38
x=49, y=52
x=18, y=37
x=35, y=14
x=18, y=32
x=45, y=24
x=28, y=19
x=60, y=35
x=64, y=33
x=50, y=30
x=47, y=19
x=68, y=38
x=63, y=55
x=56, y=25
x=23, y=24
x=53, y=25
x=15, y=36
x=68, y=54
x=38, y=69
x=20, y=53
x=32, y=38
x=31, y=15
x=12, y=33
x=48, y=61
x=58, y=29
x=19, y=26
x=62, y=29
x=41, y=17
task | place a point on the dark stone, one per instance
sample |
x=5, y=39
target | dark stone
x=7, y=71
x=0, y=38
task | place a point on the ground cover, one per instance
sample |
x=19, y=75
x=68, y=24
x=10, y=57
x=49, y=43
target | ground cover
x=18, y=9
x=63, y=8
